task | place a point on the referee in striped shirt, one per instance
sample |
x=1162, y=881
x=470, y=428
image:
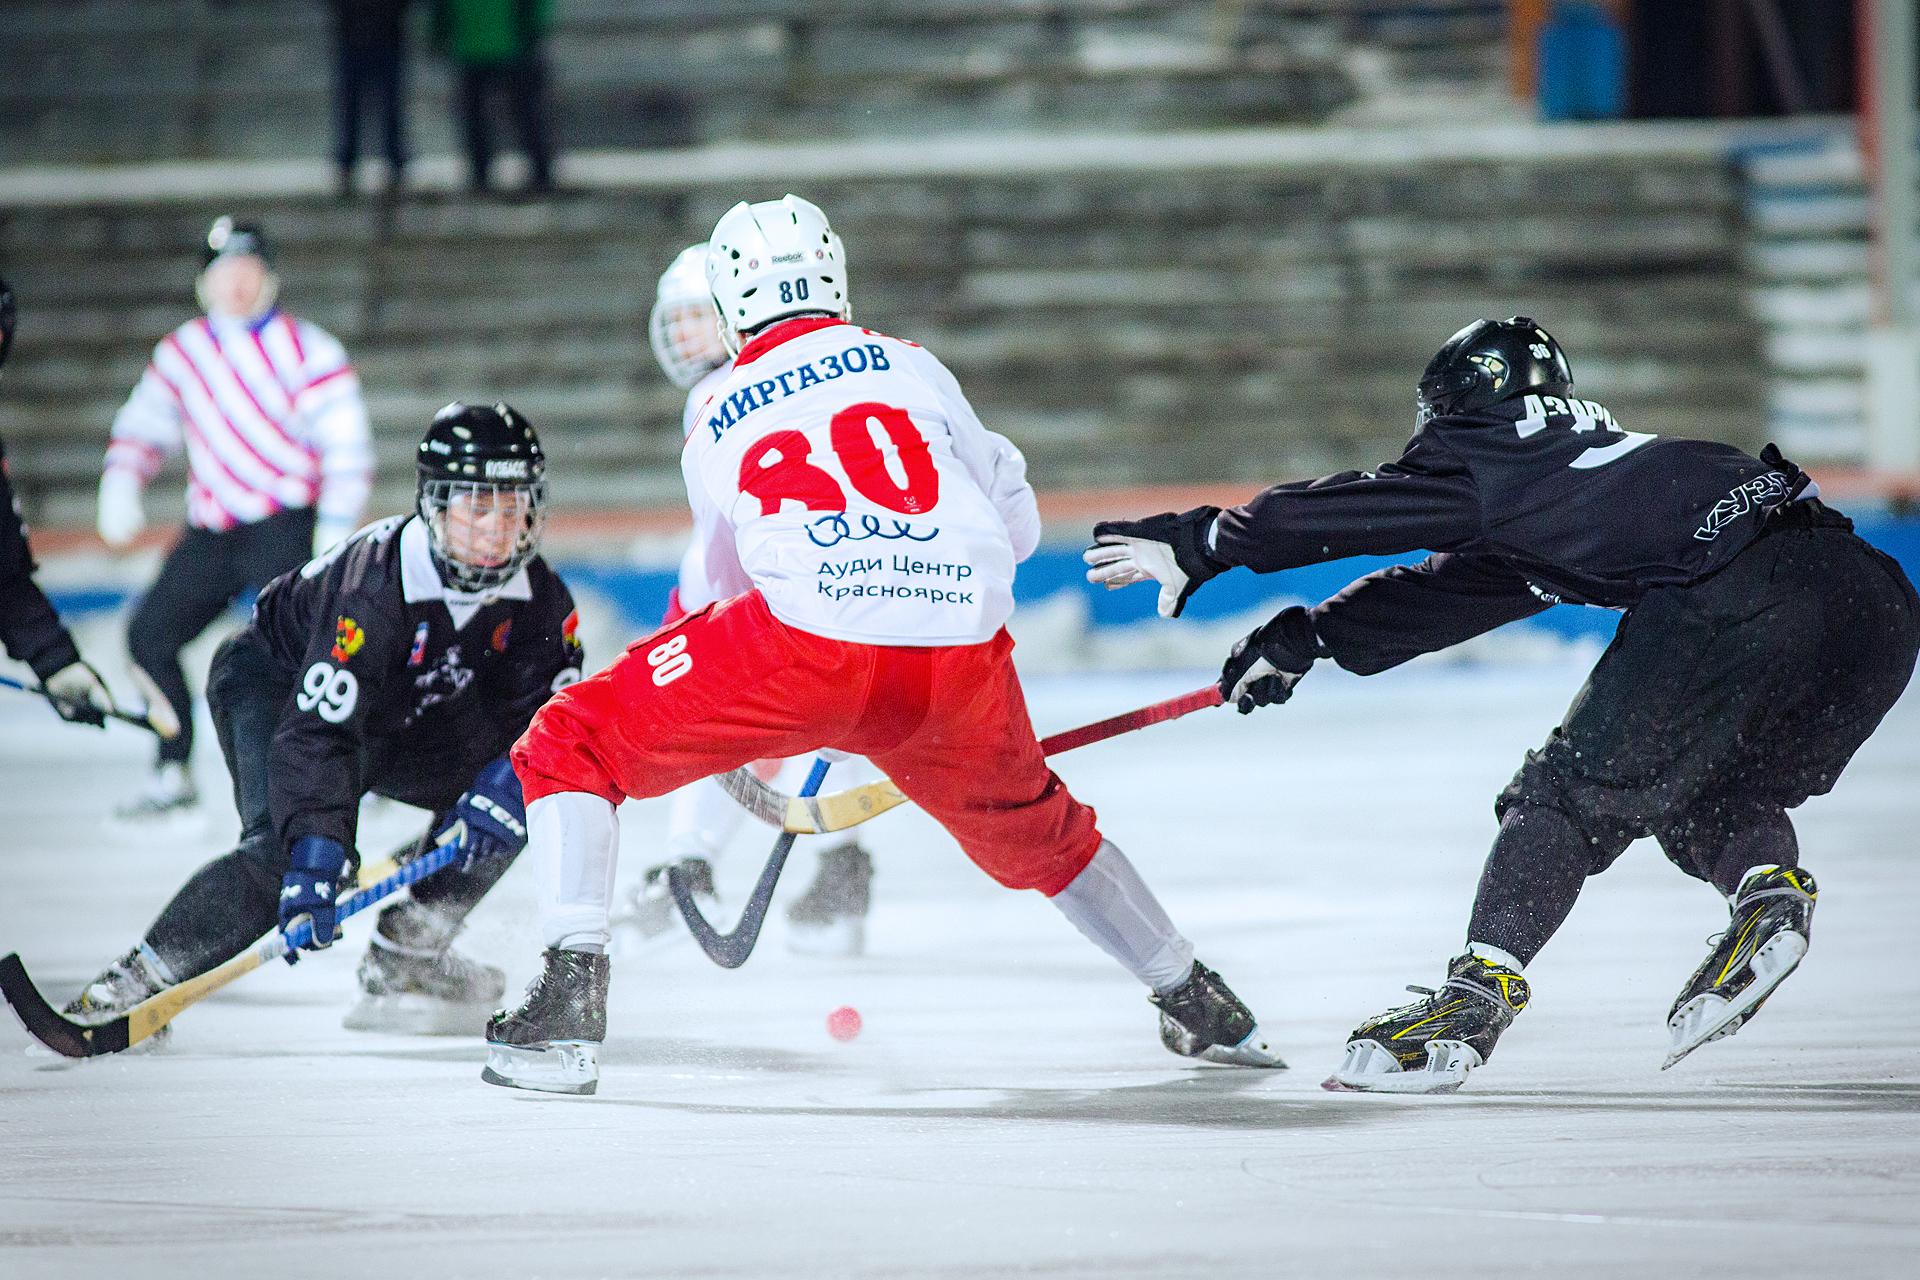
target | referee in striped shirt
x=279, y=466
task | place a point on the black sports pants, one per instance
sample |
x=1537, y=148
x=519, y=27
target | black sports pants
x=524, y=85
x=204, y=573
x=1717, y=708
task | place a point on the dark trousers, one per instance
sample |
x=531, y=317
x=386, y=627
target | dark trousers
x=363, y=78
x=1717, y=708
x=524, y=85
x=203, y=574
x=226, y=905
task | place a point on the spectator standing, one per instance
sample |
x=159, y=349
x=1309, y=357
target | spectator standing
x=279, y=466
x=495, y=47
x=369, y=65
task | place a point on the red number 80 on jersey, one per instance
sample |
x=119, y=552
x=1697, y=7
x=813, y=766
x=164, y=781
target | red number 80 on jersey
x=778, y=468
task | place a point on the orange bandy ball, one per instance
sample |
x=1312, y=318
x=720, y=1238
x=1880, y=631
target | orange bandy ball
x=844, y=1023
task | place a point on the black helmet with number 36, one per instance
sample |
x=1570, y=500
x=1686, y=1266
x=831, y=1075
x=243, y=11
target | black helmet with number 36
x=1490, y=361
x=482, y=493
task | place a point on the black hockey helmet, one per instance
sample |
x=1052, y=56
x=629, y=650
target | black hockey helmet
x=476, y=462
x=1490, y=361
x=228, y=238
x=6, y=321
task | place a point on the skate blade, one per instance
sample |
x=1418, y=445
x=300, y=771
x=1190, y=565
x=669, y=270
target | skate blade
x=414, y=1014
x=845, y=938
x=1251, y=1052
x=559, y=1066
x=1709, y=1017
x=1369, y=1068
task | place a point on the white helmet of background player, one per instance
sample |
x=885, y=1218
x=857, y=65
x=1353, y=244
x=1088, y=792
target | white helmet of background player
x=684, y=326
x=772, y=260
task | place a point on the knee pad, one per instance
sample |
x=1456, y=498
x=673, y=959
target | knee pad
x=1542, y=783
x=261, y=862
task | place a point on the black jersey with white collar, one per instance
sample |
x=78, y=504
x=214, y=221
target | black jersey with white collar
x=398, y=683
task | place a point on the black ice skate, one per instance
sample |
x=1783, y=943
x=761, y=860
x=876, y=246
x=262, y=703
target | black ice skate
x=1431, y=1045
x=413, y=981
x=650, y=912
x=123, y=984
x=830, y=918
x=1768, y=934
x=552, y=1041
x=1202, y=1018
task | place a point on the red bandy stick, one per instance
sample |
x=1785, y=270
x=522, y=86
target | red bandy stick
x=1128, y=721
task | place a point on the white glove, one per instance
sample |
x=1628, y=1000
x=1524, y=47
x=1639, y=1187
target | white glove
x=79, y=695
x=121, y=516
x=1168, y=549
x=329, y=532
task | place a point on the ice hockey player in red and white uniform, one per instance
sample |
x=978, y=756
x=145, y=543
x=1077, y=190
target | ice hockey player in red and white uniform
x=830, y=917
x=880, y=523
x=279, y=466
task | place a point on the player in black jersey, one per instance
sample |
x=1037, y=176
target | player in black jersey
x=1762, y=644
x=404, y=662
x=30, y=630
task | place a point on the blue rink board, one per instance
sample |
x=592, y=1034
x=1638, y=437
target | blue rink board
x=641, y=594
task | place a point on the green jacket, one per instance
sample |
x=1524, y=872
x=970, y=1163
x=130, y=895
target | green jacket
x=485, y=32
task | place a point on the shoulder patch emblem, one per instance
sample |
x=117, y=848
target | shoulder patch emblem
x=569, y=630
x=347, y=638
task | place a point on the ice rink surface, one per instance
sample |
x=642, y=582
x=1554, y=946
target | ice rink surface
x=1007, y=1110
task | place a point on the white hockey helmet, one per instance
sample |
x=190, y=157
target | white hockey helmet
x=774, y=259
x=684, y=327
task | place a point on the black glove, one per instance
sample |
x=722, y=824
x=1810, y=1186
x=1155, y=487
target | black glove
x=1170, y=549
x=79, y=695
x=1272, y=658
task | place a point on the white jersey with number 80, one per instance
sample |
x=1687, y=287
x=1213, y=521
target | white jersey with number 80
x=866, y=500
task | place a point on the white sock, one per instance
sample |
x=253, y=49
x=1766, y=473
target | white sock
x=1112, y=906
x=574, y=840
x=1487, y=951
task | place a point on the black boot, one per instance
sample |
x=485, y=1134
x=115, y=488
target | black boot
x=650, y=911
x=127, y=982
x=830, y=918
x=1202, y=1018
x=412, y=980
x=1769, y=932
x=1431, y=1045
x=551, y=1042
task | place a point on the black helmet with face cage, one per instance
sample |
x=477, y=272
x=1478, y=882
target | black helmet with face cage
x=483, y=453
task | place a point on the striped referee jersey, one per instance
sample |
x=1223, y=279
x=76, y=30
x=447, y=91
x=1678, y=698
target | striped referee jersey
x=269, y=412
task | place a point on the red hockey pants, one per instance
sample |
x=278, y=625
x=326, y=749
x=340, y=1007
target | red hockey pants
x=732, y=684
